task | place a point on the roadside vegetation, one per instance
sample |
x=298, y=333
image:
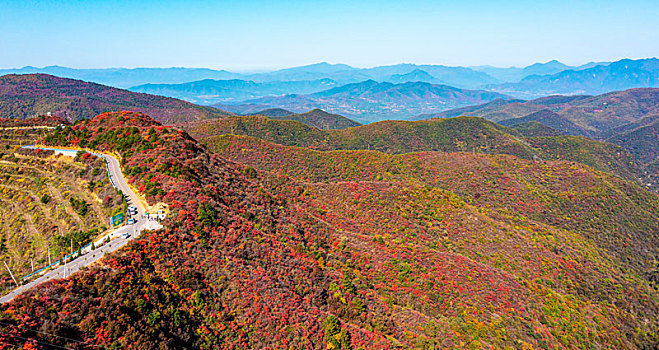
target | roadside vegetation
x=48, y=203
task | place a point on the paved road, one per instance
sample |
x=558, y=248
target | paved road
x=116, y=240
x=28, y=127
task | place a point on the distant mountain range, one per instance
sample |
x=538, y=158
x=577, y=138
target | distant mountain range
x=210, y=91
x=515, y=74
x=207, y=86
x=23, y=96
x=370, y=100
x=340, y=73
x=125, y=77
x=595, y=116
x=620, y=75
x=536, y=81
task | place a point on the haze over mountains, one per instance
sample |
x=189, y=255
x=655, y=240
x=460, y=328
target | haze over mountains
x=620, y=75
x=515, y=74
x=308, y=87
x=340, y=73
x=464, y=77
x=209, y=91
x=370, y=100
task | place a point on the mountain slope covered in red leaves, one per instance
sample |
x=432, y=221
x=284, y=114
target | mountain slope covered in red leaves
x=488, y=252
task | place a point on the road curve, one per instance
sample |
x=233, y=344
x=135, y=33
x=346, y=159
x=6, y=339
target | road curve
x=116, y=240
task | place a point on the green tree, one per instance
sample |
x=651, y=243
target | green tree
x=45, y=199
x=207, y=215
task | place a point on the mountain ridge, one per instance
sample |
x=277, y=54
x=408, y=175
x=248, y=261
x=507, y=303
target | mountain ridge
x=460, y=134
x=550, y=119
x=23, y=96
x=320, y=119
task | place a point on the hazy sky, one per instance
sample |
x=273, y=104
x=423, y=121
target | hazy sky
x=240, y=35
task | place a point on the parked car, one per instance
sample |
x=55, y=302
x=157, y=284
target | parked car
x=131, y=221
x=125, y=235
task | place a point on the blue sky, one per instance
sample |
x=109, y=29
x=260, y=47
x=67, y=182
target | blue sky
x=251, y=35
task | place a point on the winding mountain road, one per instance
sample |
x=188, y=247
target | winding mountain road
x=116, y=236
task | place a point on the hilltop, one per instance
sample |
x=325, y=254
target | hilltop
x=41, y=120
x=291, y=127
x=386, y=136
x=320, y=119
x=415, y=75
x=550, y=119
x=535, y=129
x=365, y=249
x=274, y=112
x=24, y=96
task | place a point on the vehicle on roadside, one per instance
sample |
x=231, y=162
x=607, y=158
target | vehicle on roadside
x=125, y=235
x=131, y=221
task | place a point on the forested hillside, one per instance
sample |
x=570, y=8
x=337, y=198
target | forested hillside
x=298, y=248
x=462, y=134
